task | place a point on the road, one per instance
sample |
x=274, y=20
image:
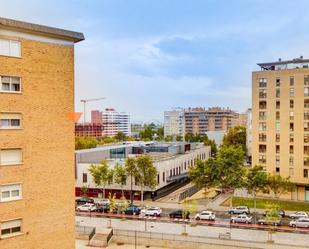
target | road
x=202, y=229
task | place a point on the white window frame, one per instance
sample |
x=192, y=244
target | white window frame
x=11, y=163
x=14, y=223
x=11, y=127
x=10, y=188
x=9, y=53
x=10, y=91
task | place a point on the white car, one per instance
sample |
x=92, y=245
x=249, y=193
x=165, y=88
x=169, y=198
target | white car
x=242, y=218
x=239, y=210
x=205, y=215
x=88, y=207
x=152, y=211
x=103, y=202
x=301, y=222
x=297, y=215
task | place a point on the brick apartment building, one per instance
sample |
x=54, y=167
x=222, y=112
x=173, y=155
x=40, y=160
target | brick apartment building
x=36, y=136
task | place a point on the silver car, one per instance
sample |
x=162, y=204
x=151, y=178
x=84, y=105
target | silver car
x=301, y=222
x=242, y=218
x=299, y=214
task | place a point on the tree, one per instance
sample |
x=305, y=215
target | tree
x=101, y=175
x=147, y=132
x=84, y=189
x=160, y=133
x=279, y=185
x=236, y=136
x=146, y=173
x=272, y=216
x=120, y=136
x=189, y=207
x=179, y=138
x=120, y=176
x=85, y=143
x=131, y=169
x=205, y=174
x=256, y=181
x=168, y=138
x=212, y=144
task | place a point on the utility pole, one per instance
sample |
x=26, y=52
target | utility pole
x=86, y=101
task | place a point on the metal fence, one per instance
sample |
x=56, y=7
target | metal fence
x=85, y=230
x=188, y=192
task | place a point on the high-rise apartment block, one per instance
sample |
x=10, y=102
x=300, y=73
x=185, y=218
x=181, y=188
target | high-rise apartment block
x=174, y=122
x=112, y=121
x=36, y=136
x=280, y=121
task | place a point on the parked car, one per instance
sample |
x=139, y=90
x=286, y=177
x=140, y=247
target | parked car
x=133, y=210
x=103, y=208
x=242, y=218
x=103, y=202
x=205, y=215
x=152, y=211
x=84, y=200
x=301, y=222
x=239, y=210
x=299, y=214
x=88, y=207
x=270, y=222
x=178, y=214
x=281, y=213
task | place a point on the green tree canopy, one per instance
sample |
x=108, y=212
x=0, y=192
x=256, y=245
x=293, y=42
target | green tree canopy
x=236, y=136
x=120, y=136
x=120, y=176
x=85, y=143
x=279, y=185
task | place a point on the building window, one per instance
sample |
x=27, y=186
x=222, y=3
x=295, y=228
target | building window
x=291, y=115
x=277, y=104
x=277, y=126
x=291, y=149
x=277, y=115
x=291, y=81
x=306, y=161
x=262, y=148
x=306, y=80
x=262, y=116
x=291, y=103
x=10, y=120
x=306, y=138
x=291, y=92
x=85, y=178
x=306, y=126
x=291, y=171
x=291, y=137
x=10, y=228
x=10, y=192
x=262, y=105
x=163, y=176
x=291, y=126
x=306, y=115
x=277, y=93
x=262, y=137
x=306, y=103
x=277, y=137
x=158, y=179
x=10, y=156
x=262, y=82
x=10, y=48
x=278, y=82
x=291, y=161
x=305, y=173
x=277, y=149
x=262, y=93
x=277, y=171
x=306, y=91
x=9, y=84
x=262, y=159
x=277, y=161
x=262, y=126
x=306, y=149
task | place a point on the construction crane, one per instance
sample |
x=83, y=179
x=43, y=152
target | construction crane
x=88, y=100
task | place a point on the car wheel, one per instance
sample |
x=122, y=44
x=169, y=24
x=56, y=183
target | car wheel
x=247, y=222
x=155, y=215
x=198, y=218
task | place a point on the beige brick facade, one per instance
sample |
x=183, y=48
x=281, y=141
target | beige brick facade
x=47, y=142
x=278, y=129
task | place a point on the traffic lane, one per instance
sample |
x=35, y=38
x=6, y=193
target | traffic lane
x=218, y=223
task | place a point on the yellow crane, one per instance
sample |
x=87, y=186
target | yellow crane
x=86, y=101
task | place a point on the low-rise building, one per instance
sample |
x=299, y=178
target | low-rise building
x=172, y=161
x=88, y=130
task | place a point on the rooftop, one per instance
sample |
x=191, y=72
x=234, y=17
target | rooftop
x=32, y=28
x=285, y=64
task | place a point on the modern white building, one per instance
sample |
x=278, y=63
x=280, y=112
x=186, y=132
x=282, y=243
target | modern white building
x=174, y=122
x=113, y=121
x=172, y=161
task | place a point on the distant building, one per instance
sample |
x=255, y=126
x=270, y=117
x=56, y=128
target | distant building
x=172, y=161
x=174, y=122
x=88, y=130
x=200, y=120
x=112, y=121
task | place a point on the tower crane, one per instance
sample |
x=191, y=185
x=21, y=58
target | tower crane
x=88, y=100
